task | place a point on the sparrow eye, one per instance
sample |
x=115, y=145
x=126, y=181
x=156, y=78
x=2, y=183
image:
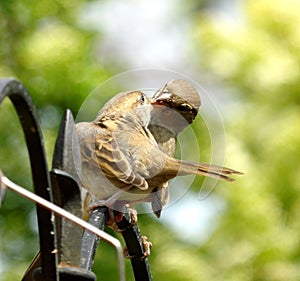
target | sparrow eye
x=142, y=99
x=184, y=106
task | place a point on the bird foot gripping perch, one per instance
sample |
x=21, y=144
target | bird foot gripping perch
x=114, y=208
x=122, y=220
x=138, y=246
x=147, y=245
x=131, y=217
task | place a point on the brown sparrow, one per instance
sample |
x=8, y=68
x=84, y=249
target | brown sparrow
x=176, y=106
x=121, y=160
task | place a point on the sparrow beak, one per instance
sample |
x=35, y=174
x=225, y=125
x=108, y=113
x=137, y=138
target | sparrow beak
x=161, y=98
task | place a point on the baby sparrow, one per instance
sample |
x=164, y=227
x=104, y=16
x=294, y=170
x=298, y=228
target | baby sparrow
x=176, y=105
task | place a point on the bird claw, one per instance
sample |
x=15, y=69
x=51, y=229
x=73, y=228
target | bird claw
x=133, y=216
x=129, y=221
x=147, y=245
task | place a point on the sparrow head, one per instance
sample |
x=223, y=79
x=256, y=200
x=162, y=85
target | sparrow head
x=133, y=104
x=181, y=96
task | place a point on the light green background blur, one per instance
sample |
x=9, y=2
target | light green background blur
x=244, y=53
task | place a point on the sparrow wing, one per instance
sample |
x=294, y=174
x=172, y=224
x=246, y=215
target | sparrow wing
x=114, y=164
x=100, y=150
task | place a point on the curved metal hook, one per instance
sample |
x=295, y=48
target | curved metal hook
x=10, y=87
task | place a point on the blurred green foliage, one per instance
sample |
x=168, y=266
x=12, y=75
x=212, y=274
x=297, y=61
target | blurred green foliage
x=43, y=45
x=258, y=238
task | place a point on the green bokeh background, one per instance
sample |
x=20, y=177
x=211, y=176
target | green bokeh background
x=256, y=59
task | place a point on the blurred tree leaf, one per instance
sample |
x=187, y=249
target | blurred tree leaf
x=257, y=238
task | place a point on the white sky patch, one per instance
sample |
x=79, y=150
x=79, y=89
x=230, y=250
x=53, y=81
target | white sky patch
x=138, y=33
x=194, y=220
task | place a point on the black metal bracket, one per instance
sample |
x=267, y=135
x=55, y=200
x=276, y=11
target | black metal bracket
x=60, y=258
x=26, y=111
x=135, y=246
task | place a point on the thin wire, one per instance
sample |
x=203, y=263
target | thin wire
x=56, y=209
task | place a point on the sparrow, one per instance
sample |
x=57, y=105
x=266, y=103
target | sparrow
x=176, y=105
x=121, y=160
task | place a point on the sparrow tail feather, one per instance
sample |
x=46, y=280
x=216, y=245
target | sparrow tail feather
x=214, y=171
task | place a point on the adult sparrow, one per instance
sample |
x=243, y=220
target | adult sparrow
x=122, y=162
x=176, y=106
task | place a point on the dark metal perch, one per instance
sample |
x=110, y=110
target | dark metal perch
x=23, y=104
